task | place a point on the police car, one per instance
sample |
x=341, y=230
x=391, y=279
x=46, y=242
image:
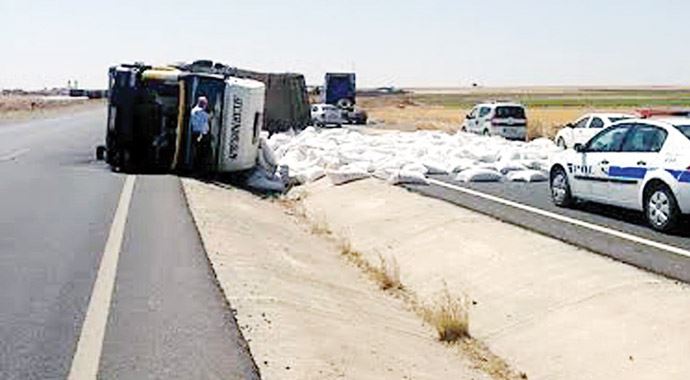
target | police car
x=639, y=164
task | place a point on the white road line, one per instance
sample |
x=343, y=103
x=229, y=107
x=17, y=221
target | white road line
x=561, y=218
x=87, y=357
x=13, y=155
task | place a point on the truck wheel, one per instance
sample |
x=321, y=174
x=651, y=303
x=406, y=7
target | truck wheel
x=345, y=103
x=661, y=208
x=100, y=153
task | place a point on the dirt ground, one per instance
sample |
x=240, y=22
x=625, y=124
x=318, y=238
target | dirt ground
x=17, y=108
x=304, y=310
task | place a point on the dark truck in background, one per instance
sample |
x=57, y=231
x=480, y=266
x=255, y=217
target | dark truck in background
x=340, y=90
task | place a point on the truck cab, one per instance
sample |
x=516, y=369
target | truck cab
x=149, y=119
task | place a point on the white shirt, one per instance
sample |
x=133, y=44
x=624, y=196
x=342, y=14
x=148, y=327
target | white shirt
x=199, y=120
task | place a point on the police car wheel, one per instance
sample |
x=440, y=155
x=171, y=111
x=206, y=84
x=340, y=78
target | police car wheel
x=661, y=209
x=560, y=189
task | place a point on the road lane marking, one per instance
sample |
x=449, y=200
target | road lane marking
x=561, y=218
x=87, y=357
x=13, y=155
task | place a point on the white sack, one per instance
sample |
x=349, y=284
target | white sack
x=460, y=164
x=407, y=177
x=527, y=176
x=267, y=158
x=435, y=167
x=309, y=175
x=346, y=175
x=479, y=175
x=506, y=167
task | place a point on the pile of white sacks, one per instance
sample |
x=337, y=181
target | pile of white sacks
x=408, y=157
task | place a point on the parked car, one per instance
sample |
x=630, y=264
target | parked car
x=355, y=116
x=586, y=127
x=326, y=114
x=508, y=120
x=639, y=164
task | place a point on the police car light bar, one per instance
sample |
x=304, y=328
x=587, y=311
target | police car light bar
x=647, y=113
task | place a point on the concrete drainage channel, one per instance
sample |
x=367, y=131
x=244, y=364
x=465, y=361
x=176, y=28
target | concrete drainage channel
x=625, y=241
x=543, y=306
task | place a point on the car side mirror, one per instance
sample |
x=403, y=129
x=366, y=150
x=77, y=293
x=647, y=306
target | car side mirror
x=468, y=117
x=570, y=125
x=579, y=148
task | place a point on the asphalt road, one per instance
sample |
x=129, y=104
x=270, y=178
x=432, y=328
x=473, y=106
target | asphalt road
x=167, y=318
x=649, y=250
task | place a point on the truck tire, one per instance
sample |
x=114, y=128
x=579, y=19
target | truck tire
x=100, y=153
x=345, y=103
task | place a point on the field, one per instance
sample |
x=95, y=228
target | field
x=14, y=107
x=547, y=108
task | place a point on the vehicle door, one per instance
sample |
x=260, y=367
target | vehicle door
x=471, y=120
x=639, y=154
x=580, y=132
x=483, y=119
x=595, y=125
x=591, y=172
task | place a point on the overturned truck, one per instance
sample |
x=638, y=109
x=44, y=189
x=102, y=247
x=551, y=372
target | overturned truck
x=149, y=109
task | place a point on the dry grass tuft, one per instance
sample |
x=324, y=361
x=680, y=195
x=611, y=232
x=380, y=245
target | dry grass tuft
x=319, y=226
x=387, y=275
x=348, y=252
x=450, y=317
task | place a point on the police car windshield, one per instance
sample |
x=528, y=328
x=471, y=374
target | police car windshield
x=685, y=129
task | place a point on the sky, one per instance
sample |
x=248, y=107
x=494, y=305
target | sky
x=404, y=43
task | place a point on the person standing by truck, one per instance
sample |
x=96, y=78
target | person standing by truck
x=199, y=120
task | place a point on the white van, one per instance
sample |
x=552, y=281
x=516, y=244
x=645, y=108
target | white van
x=507, y=120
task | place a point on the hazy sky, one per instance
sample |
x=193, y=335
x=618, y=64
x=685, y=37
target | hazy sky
x=402, y=42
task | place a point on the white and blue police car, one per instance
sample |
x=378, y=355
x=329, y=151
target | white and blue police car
x=640, y=164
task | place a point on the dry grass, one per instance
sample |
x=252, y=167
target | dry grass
x=412, y=118
x=387, y=275
x=450, y=317
x=319, y=226
x=15, y=107
x=543, y=121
